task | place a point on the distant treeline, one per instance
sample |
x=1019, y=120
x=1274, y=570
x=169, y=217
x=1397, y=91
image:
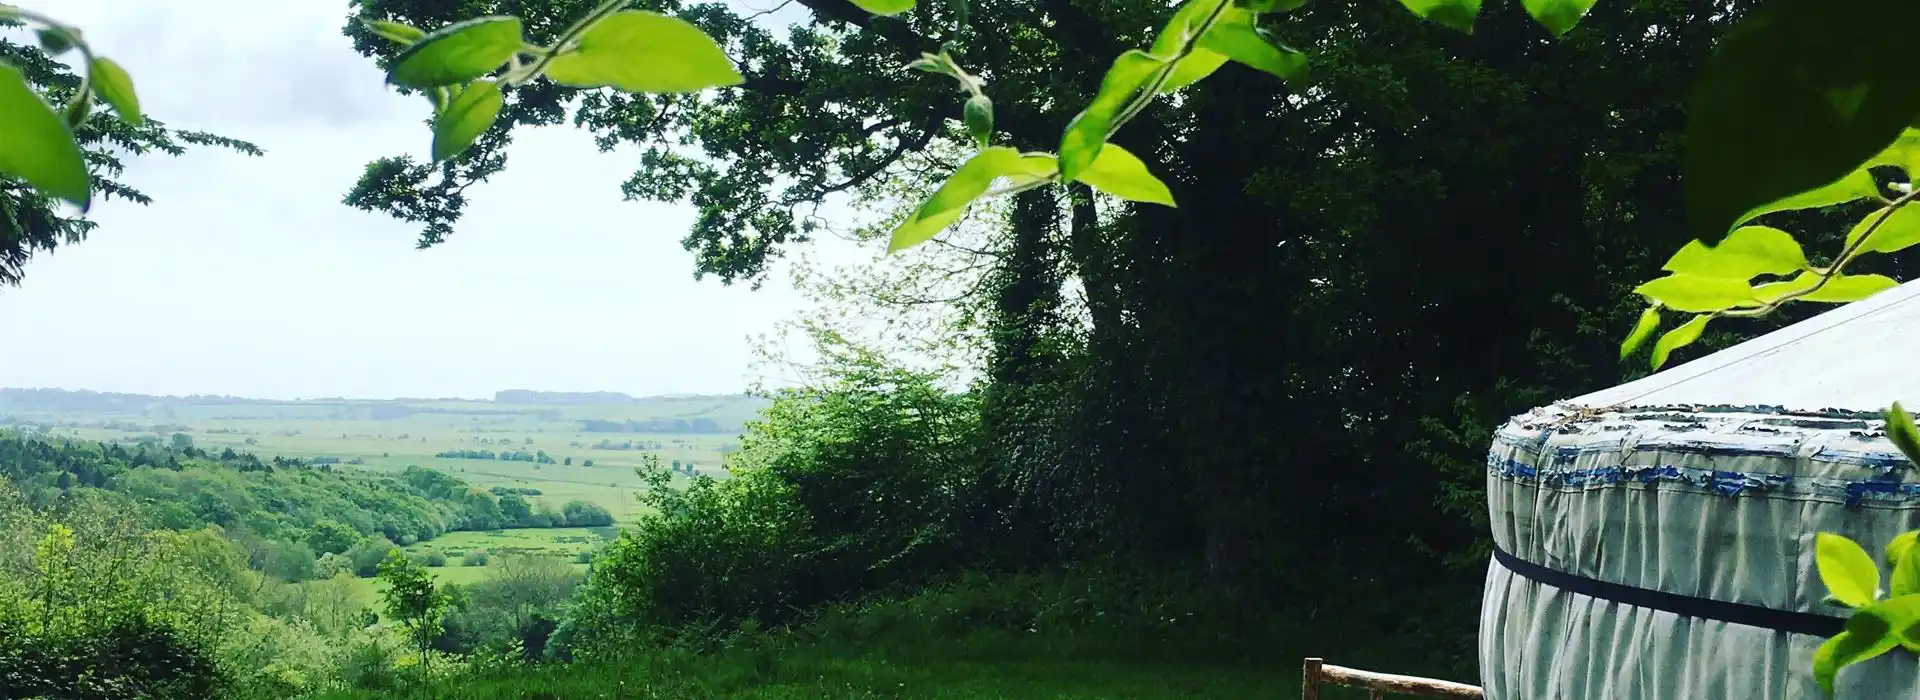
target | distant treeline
x=524, y=396
x=654, y=425
x=627, y=445
x=538, y=457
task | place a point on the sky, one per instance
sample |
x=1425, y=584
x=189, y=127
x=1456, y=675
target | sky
x=248, y=277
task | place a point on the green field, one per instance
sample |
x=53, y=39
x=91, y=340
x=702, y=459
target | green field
x=553, y=541
x=566, y=542
x=393, y=434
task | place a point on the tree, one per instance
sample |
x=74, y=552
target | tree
x=34, y=223
x=412, y=598
x=584, y=514
x=181, y=441
x=515, y=510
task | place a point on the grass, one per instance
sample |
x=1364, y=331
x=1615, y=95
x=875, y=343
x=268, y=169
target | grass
x=554, y=541
x=1045, y=637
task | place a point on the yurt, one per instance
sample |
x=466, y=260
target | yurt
x=1655, y=540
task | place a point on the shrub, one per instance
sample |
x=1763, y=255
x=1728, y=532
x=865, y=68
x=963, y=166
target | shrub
x=584, y=557
x=365, y=557
x=477, y=557
x=431, y=558
x=779, y=533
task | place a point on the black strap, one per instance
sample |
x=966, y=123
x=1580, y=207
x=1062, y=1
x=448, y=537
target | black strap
x=1704, y=608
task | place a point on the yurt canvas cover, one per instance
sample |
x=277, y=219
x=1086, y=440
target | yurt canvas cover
x=1655, y=541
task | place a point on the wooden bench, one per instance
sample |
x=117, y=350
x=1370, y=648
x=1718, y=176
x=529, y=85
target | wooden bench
x=1315, y=673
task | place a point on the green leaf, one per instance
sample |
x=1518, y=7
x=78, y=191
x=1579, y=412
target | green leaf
x=1796, y=96
x=884, y=8
x=1898, y=547
x=115, y=88
x=640, y=51
x=1839, y=290
x=1678, y=338
x=37, y=147
x=1856, y=185
x=1232, y=36
x=1697, y=293
x=1846, y=569
x=1906, y=571
x=1235, y=38
x=959, y=191
x=1121, y=174
x=457, y=53
x=1901, y=614
x=1088, y=131
x=1750, y=251
x=1558, y=16
x=1862, y=640
x=1902, y=433
x=55, y=40
x=1198, y=64
x=468, y=115
x=1034, y=167
x=1899, y=230
x=1184, y=27
x=1270, y=5
x=978, y=116
x=1649, y=322
x=1457, y=14
x=1904, y=153
x=1844, y=289
x=395, y=32
x=77, y=112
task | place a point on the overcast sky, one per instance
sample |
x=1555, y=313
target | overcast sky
x=247, y=276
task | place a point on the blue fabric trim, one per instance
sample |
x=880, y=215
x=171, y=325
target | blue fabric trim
x=1886, y=488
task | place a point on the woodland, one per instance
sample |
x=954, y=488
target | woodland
x=1203, y=440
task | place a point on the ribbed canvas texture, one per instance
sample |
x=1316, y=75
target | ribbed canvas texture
x=1718, y=503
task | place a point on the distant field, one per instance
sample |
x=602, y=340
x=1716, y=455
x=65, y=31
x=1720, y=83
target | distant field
x=556, y=541
x=564, y=542
x=395, y=434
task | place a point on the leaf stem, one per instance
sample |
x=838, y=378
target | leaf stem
x=79, y=43
x=546, y=55
x=1847, y=255
x=1152, y=90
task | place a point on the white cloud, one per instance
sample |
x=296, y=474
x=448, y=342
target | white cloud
x=248, y=276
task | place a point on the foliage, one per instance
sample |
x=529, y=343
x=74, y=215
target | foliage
x=412, y=598
x=837, y=492
x=92, y=606
x=517, y=606
x=75, y=155
x=284, y=502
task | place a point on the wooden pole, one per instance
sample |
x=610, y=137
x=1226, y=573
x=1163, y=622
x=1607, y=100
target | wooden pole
x=1316, y=672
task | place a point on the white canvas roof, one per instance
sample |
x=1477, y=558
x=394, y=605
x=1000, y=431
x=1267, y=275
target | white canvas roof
x=1861, y=357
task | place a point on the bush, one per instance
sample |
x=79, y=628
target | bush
x=477, y=557
x=130, y=657
x=584, y=514
x=584, y=557
x=365, y=557
x=779, y=533
x=431, y=558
